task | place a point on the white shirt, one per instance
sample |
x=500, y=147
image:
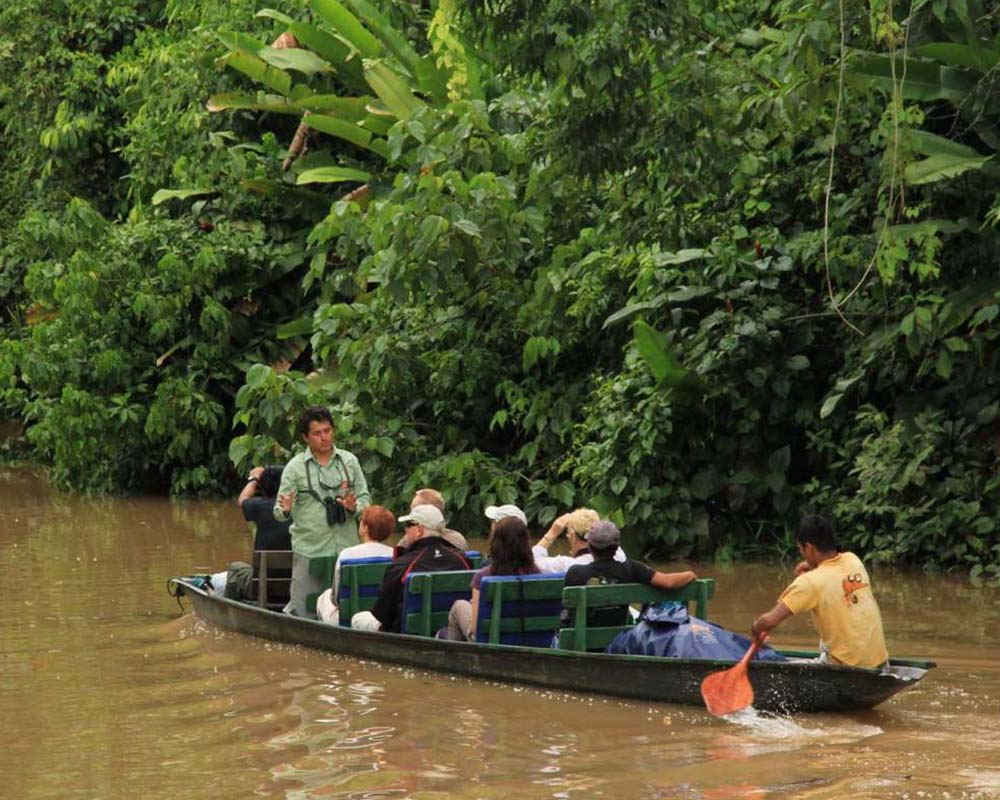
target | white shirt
x=556, y=564
x=363, y=550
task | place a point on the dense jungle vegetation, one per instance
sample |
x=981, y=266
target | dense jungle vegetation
x=702, y=264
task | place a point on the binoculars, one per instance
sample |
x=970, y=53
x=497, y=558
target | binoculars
x=336, y=514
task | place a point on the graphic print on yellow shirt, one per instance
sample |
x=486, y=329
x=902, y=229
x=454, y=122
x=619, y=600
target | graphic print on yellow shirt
x=838, y=593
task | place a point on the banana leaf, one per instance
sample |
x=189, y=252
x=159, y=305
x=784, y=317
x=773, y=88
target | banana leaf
x=347, y=26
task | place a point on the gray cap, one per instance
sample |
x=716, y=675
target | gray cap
x=428, y=516
x=496, y=513
x=604, y=535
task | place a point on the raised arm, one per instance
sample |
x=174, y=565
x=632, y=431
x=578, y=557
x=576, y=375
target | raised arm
x=250, y=489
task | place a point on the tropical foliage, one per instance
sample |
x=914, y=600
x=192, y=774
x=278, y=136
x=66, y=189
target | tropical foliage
x=702, y=265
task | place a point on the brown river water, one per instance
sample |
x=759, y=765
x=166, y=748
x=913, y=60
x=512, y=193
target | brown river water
x=109, y=690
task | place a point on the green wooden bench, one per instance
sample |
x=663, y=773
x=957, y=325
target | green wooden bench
x=427, y=599
x=520, y=610
x=322, y=568
x=359, y=585
x=579, y=599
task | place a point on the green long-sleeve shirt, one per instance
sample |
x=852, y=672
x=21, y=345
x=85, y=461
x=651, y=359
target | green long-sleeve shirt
x=311, y=535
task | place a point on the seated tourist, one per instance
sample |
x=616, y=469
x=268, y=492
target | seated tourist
x=603, y=539
x=432, y=497
x=426, y=551
x=510, y=554
x=377, y=524
x=575, y=525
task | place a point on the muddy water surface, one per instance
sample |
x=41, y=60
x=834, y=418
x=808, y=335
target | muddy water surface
x=109, y=690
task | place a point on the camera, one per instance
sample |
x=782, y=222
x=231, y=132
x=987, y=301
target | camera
x=336, y=514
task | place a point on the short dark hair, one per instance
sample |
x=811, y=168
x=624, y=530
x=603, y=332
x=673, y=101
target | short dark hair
x=270, y=480
x=816, y=530
x=380, y=521
x=603, y=553
x=314, y=414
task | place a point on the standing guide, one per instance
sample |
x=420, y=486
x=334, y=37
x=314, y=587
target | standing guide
x=323, y=490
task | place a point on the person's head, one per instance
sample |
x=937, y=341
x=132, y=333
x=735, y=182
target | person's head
x=316, y=429
x=428, y=497
x=377, y=523
x=815, y=539
x=497, y=513
x=510, y=548
x=603, y=539
x=270, y=480
x=578, y=524
x=422, y=521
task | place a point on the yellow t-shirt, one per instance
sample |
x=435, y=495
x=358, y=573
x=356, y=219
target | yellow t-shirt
x=839, y=594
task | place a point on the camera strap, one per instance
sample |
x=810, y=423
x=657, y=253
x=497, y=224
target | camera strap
x=314, y=494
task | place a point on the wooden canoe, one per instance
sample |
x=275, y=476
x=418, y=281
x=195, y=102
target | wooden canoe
x=779, y=687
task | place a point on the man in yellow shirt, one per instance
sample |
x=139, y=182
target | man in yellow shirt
x=835, y=587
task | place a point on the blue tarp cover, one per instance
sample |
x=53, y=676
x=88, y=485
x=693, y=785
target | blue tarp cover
x=667, y=630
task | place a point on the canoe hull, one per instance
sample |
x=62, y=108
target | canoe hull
x=780, y=687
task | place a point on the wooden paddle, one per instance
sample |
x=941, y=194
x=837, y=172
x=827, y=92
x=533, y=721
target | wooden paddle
x=729, y=691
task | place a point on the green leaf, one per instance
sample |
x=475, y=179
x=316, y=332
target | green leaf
x=295, y=58
x=829, y=405
x=235, y=40
x=333, y=175
x=382, y=445
x=345, y=130
x=779, y=460
x=351, y=109
x=259, y=70
x=257, y=375
x=274, y=103
x=961, y=55
x=163, y=195
x=395, y=42
x=303, y=326
x=391, y=89
x=941, y=167
x=930, y=144
x=347, y=25
x=631, y=310
x=925, y=80
x=680, y=257
x=688, y=293
x=618, y=484
x=797, y=363
x=704, y=484
x=654, y=347
x=943, y=364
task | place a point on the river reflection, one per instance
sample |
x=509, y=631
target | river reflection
x=109, y=690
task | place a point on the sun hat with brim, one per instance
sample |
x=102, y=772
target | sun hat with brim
x=496, y=513
x=428, y=516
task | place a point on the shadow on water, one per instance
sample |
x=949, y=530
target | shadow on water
x=114, y=692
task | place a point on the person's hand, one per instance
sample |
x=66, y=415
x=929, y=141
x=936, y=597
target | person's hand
x=556, y=529
x=255, y=473
x=286, y=500
x=802, y=567
x=349, y=501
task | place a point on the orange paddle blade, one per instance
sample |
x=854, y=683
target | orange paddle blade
x=729, y=691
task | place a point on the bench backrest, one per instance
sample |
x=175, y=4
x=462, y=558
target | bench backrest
x=271, y=585
x=428, y=596
x=360, y=579
x=322, y=568
x=580, y=599
x=519, y=609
